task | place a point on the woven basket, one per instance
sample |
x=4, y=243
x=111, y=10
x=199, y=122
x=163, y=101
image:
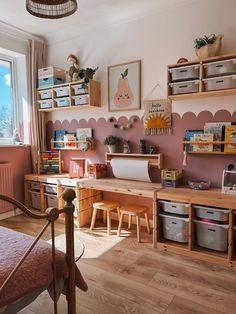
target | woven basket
x=210, y=50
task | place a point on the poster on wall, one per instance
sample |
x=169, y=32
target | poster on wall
x=124, y=86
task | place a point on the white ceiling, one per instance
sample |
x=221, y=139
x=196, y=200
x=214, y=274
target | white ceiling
x=91, y=14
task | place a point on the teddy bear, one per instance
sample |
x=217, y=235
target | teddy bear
x=72, y=74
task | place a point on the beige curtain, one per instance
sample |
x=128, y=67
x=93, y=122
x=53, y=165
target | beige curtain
x=37, y=60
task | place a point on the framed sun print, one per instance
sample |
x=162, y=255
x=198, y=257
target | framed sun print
x=124, y=86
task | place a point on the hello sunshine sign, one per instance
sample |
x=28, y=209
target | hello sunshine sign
x=157, y=117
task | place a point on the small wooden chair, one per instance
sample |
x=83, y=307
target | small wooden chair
x=107, y=206
x=136, y=211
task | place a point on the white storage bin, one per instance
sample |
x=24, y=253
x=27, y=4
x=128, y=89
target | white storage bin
x=174, y=227
x=184, y=87
x=51, y=200
x=35, y=200
x=50, y=71
x=63, y=102
x=62, y=91
x=44, y=104
x=212, y=213
x=183, y=73
x=175, y=208
x=52, y=189
x=224, y=82
x=35, y=186
x=45, y=94
x=212, y=236
x=81, y=100
x=220, y=68
x=79, y=89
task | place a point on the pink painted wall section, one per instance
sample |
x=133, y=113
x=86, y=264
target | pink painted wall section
x=20, y=158
x=199, y=166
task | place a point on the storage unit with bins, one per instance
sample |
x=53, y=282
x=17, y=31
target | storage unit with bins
x=208, y=77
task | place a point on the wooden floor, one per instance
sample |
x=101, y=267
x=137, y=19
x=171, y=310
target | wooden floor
x=126, y=277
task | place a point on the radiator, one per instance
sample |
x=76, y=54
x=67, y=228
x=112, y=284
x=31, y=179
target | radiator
x=6, y=185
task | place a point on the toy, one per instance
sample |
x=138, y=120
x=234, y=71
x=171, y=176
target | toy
x=229, y=180
x=72, y=74
x=126, y=147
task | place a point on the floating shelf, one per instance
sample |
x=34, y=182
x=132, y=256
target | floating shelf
x=207, y=152
x=88, y=144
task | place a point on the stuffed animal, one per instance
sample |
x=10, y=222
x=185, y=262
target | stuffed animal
x=72, y=74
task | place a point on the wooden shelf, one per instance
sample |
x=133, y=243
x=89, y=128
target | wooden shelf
x=89, y=143
x=207, y=152
x=223, y=92
x=79, y=107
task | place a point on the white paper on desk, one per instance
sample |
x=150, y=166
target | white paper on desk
x=131, y=169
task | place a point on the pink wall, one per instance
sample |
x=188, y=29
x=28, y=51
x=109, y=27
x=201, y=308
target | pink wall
x=20, y=158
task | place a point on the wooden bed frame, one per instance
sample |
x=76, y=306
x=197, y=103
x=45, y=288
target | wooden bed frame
x=51, y=216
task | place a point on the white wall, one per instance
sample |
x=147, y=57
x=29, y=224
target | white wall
x=158, y=39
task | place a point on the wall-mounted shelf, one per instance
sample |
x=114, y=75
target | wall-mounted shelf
x=207, y=152
x=79, y=145
x=155, y=160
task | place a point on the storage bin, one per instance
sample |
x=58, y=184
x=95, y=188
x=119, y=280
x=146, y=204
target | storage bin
x=174, y=227
x=184, y=87
x=212, y=236
x=183, y=73
x=62, y=102
x=35, y=200
x=219, y=68
x=171, y=174
x=44, y=104
x=175, y=208
x=50, y=81
x=81, y=100
x=79, y=89
x=212, y=213
x=224, y=82
x=35, y=186
x=45, y=94
x=51, y=71
x=171, y=183
x=51, y=189
x=52, y=200
x=62, y=91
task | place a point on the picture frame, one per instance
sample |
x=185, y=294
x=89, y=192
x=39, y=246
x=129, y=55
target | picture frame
x=124, y=86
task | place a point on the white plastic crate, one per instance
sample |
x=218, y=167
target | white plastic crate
x=184, y=87
x=45, y=94
x=44, y=104
x=79, y=89
x=212, y=236
x=62, y=102
x=175, y=208
x=52, y=200
x=174, y=227
x=183, y=73
x=52, y=189
x=212, y=213
x=62, y=91
x=35, y=200
x=219, y=68
x=218, y=83
x=50, y=71
x=81, y=100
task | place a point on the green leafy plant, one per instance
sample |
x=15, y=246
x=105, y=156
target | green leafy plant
x=203, y=41
x=111, y=140
x=87, y=74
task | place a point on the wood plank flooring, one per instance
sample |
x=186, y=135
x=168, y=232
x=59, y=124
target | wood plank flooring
x=129, y=277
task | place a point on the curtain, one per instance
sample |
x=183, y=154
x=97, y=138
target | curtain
x=37, y=60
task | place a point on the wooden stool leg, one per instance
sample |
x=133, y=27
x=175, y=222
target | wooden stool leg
x=138, y=229
x=93, y=218
x=109, y=222
x=120, y=224
x=104, y=216
x=118, y=213
x=130, y=222
x=147, y=223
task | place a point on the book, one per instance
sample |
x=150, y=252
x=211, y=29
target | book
x=203, y=138
x=83, y=133
x=189, y=134
x=59, y=136
x=70, y=137
x=230, y=136
x=216, y=128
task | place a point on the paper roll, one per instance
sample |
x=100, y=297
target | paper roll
x=131, y=169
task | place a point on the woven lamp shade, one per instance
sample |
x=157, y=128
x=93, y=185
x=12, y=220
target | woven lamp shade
x=51, y=9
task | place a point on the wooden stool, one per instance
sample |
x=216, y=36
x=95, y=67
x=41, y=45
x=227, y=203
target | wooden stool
x=136, y=211
x=107, y=207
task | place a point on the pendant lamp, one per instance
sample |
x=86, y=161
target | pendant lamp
x=51, y=9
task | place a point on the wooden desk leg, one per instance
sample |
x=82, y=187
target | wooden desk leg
x=230, y=236
x=155, y=213
x=191, y=228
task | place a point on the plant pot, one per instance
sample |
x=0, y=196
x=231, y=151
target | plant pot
x=111, y=148
x=210, y=50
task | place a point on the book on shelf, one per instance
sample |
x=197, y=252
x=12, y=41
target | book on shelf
x=217, y=129
x=59, y=136
x=70, y=137
x=203, y=138
x=189, y=134
x=83, y=133
x=230, y=136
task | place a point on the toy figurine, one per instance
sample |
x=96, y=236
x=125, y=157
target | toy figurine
x=126, y=147
x=72, y=74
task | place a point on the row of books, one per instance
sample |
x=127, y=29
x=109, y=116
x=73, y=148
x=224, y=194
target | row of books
x=213, y=131
x=67, y=139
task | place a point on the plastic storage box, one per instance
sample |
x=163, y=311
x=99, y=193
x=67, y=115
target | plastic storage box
x=189, y=72
x=171, y=174
x=51, y=200
x=62, y=91
x=81, y=100
x=52, y=189
x=79, y=89
x=212, y=236
x=224, y=82
x=50, y=71
x=175, y=208
x=219, y=68
x=35, y=200
x=50, y=81
x=174, y=227
x=212, y=213
x=45, y=94
x=63, y=102
x=45, y=104
x=184, y=87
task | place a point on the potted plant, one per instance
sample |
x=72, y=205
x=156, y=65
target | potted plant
x=87, y=74
x=111, y=142
x=208, y=46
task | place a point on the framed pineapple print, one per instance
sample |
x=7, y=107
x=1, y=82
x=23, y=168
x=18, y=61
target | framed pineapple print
x=124, y=86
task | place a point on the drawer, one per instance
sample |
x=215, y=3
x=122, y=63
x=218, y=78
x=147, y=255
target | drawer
x=219, y=68
x=45, y=94
x=52, y=200
x=224, y=82
x=35, y=200
x=175, y=208
x=44, y=104
x=62, y=102
x=81, y=100
x=62, y=91
x=189, y=72
x=79, y=89
x=184, y=87
x=52, y=189
x=175, y=228
x=212, y=213
x=35, y=186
